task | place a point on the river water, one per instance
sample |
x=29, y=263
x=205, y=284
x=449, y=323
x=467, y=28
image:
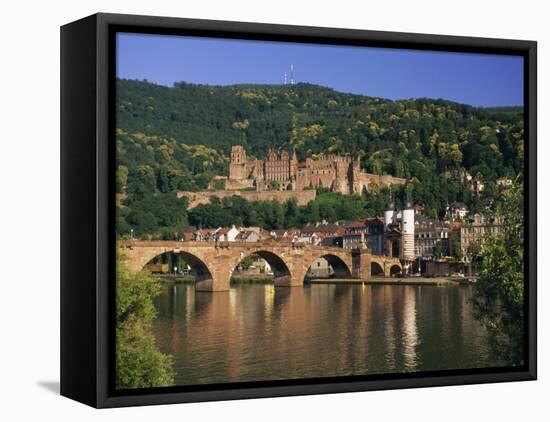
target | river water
x=259, y=332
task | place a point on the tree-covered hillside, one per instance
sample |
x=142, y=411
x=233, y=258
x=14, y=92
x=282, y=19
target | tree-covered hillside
x=178, y=138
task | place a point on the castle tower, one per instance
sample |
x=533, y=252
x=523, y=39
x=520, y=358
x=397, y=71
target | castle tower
x=341, y=180
x=238, y=154
x=389, y=214
x=237, y=164
x=391, y=241
x=407, y=230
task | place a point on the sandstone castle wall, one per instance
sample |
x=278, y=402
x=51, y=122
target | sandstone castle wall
x=198, y=198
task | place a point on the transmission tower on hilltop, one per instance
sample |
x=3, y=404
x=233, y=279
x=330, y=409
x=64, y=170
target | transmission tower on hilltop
x=286, y=78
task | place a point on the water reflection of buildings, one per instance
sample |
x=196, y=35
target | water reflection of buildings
x=258, y=332
x=410, y=329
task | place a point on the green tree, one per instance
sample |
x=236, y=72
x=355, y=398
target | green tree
x=456, y=250
x=292, y=212
x=274, y=185
x=498, y=300
x=474, y=252
x=219, y=184
x=121, y=178
x=242, y=127
x=437, y=250
x=247, y=262
x=139, y=363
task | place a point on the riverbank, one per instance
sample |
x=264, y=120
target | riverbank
x=256, y=279
x=189, y=279
x=177, y=279
x=266, y=279
x=411, y=281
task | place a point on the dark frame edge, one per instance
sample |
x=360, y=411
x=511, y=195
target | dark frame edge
x=306, y=390
x=531, y=206
x=404, y=39
x=105, y=232
x=78, y=290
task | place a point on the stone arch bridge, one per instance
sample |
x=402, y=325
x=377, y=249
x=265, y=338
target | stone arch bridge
x=214, y=262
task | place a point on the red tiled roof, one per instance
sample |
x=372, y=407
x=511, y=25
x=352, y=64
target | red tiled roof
x=358, y=224
x=321, y=228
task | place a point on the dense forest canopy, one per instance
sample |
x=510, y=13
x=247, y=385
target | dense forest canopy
x=179, y=138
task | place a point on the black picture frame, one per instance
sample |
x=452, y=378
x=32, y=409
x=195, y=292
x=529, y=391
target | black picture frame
x=87, y=208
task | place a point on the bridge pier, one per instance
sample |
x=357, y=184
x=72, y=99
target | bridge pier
x=211, y=286
x=361, y=264
x=219, y=277
x=297, y=265
x=287, y=281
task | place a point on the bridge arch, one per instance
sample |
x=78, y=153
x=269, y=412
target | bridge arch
x=340, y=268
x=281, y=271
x=395, y=269
x=203, y=275
x=376, y=269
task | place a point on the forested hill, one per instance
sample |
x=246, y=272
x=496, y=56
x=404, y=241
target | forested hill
x=316, y=119
x=178, y=138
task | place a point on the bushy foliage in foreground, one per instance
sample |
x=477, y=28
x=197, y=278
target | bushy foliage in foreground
x=499, y=292
x=139, y=363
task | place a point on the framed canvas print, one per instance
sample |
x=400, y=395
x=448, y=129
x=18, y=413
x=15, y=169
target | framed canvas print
x=253, y=210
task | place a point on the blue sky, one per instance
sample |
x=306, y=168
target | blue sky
x=476, y=79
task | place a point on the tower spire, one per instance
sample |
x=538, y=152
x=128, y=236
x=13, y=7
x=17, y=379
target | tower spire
x=291, y=74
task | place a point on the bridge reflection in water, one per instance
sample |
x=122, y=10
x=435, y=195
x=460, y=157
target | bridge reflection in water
x=258, y=332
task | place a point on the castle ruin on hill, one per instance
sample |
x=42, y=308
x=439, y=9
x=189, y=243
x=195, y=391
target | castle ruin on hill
x=283, y=172
x=281, y=177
